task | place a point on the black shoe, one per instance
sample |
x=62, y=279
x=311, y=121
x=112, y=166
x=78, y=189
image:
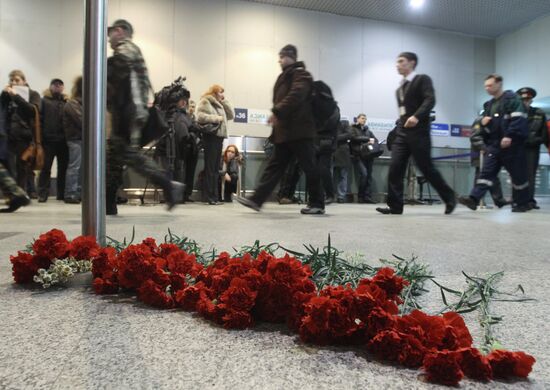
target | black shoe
x=42, y=199
x=188, y=200
x=173, y=194
x=329, y=200
x=72, y=201
x=521, y=209
x=468, y=201
x=213, y=203
x=111, y=210
x=33, y=195
x=15, y=203
x=534, y=206
x=388, y=210
x=248, y=203
x=500, y=203
x=121, y=200
x=312, y=210
x=59, y=198
x=368, y=200
x=450, y=206
x=340, y=200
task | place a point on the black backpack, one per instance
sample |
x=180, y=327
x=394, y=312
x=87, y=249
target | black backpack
x=322, y=102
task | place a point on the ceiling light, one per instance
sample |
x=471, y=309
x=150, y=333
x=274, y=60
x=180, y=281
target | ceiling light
x=417, y=3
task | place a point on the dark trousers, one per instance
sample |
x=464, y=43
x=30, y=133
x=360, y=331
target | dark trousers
x=290, y=179
x=190, y=161
x=304, y=151
x=52, y=150
x=324, y=160
x=114, y=171
x=495, y=189
x=532, y=157
x=415, y=142
x=513, y=159
x=18, y=168
x=213, y=147
x=229, y=188
x=363, y=176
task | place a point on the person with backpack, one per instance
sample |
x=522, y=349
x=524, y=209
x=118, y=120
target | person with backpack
x=506, y=120
x=326, y=146
x=293, y=134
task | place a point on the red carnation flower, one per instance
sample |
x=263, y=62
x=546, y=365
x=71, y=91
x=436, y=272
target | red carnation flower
x=104, y=263
x=236, y=319
x=507, y=364
x=457, y=334
x=386, y=279
x=386, y=345
x=52, y=245
x=177, y=282
x=474, y=364
x=154, y=295
x=239, y=296
x=150, y=243
x=181, y=262
x=105, y=286
x=443, y=367
x=208, y=309
x=188, y=297
x=167, y=249
x=84, y=248
x=25, y=266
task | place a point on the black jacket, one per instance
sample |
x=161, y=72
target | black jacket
x=419, y=100
x=342, y=157
x=538, y=132
x=72, y=120
x=292, y=105
x=20, y=116
x=51, y=117
x=3, y=136
x=231, y=168
x=326, y=135
x=359, y=135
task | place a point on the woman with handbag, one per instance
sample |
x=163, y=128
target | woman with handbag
x=23, y=123
x=213, y=112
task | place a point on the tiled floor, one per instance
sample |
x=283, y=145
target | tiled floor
x=69, y=338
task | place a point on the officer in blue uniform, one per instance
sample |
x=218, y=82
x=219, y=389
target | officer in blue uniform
x=505, y=119
x=538, y=135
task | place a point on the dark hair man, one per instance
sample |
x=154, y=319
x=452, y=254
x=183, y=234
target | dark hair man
x=53, y=141
x=360, y=135
x=505, y=118
x=416, y=99
x=293, y=134
x=538, y=135
x=128, y=88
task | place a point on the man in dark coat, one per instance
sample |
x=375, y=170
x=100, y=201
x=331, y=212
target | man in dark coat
x=293, y=134
x=416, y=98
x=342, y=160
x=361, y=135
x=53, y=140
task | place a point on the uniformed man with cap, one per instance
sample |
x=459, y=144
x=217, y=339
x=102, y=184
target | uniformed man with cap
x=128, y=89
x=505, y=121
x=538, y=135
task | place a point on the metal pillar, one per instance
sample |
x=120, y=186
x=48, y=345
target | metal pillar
x=94, y=104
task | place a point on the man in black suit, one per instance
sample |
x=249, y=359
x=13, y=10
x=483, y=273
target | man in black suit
x=415, y=98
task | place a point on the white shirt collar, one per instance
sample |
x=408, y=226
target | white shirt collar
x=409, y=78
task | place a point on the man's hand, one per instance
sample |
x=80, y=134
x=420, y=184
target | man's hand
x=9, y=90
x=506, y=142
x=485, y=120
x=411, y=122
x=272, y=120
x=227, y=177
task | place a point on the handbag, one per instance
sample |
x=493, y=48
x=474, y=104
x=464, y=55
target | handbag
x=209, y=128
x=34, y=154
x=368, y=151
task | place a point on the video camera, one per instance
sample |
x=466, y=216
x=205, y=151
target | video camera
x=168, y=97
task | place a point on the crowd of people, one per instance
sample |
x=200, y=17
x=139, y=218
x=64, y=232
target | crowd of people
x=307, y=136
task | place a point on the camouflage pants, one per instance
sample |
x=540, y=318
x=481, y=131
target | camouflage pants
x=133, y=157
x=8, y=185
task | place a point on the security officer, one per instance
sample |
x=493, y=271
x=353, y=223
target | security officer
x=538, y=135
x=128, y=88
x=478, y=147
x=505, y=119
x=15, y=194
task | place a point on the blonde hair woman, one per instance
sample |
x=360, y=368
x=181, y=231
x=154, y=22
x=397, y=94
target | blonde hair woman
x=213, y=112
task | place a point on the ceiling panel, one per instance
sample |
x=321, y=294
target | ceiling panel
x=488, y=18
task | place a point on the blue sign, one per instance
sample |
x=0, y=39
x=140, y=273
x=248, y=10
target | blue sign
x=456, y=130
x=440, y=129
x=241, y=115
